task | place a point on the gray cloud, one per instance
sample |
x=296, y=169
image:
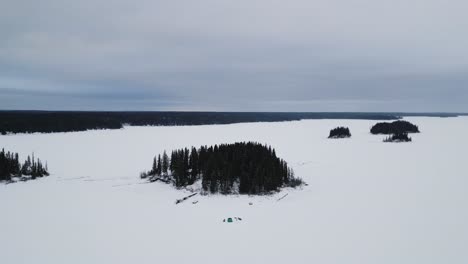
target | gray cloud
x=257, y=55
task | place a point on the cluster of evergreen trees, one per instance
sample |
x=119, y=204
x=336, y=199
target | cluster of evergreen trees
x=11, y=168
x=245, y=168
x=340, y=132
x=398, y=137
x=396, y=127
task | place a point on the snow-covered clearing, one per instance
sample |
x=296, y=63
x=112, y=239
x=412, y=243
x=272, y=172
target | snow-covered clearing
x=366, y=202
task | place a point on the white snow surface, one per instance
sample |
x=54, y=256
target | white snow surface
x=366, y=202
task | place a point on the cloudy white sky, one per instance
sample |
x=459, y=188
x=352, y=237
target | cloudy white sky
x=239, y=55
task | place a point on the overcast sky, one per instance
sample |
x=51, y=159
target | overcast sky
x=238, y=55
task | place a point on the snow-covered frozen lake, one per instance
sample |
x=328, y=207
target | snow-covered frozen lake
x=366, y=202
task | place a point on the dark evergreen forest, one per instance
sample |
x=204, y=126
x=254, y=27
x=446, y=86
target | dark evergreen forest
x=11, y=168
x=67, y=121
x=245, y=168
x=396, y=127
x=340, y=132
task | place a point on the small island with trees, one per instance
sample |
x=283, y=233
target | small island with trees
x=397, y=127
x=340, y=132
x=12, y=170
x=398, y=137
x=239, y=168
x=398, y=131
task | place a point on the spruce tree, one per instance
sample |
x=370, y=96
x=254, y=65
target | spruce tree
x=154, y=168
x=165, y=163
x=159, y=168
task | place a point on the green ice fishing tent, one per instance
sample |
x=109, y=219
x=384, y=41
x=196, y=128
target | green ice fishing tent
x=232, y=219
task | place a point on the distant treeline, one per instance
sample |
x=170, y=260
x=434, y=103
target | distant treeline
x=397, y=127
x=245, y=168
x=50, y=121
x=11, y=168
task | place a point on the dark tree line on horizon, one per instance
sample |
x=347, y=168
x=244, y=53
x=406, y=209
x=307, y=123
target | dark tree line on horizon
x=11, y=168
x=246, y=168
x=340, y=132
x=68, y=121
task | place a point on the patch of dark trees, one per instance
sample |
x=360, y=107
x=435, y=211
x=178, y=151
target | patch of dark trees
x=245, y=168
x=398, y=137
x=397, y=127
x=340, y=132
x=11, y=169
x=68, y=121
